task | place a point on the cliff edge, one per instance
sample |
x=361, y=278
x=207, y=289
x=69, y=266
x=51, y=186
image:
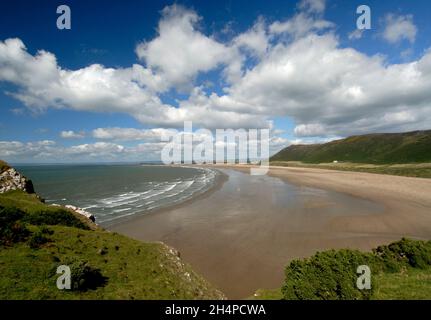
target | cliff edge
x=10, y=179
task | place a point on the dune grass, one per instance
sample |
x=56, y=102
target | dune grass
x=422, y=170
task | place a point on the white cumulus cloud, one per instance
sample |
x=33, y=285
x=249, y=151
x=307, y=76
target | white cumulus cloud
x=398, y=28
x=295, y=68
x=180, y=51
x=70, y=134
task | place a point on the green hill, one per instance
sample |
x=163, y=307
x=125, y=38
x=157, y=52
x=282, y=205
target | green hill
x=383, y=148
x=35, y=239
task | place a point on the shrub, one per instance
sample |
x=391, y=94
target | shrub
x=329, y=275
x=332, y=274
x=406, y=252
x=37, y=239
x=84, y=276
x=45, y=230
x=54, y=217
x=11, y=229
x=9, y=214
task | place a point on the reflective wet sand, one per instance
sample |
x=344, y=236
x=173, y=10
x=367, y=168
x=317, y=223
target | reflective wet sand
x=241, y=236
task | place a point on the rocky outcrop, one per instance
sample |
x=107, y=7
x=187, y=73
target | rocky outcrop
x=82, y=212
x=11, y=179
x=78, y=210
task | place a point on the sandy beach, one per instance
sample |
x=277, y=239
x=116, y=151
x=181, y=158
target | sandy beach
x=241, y=235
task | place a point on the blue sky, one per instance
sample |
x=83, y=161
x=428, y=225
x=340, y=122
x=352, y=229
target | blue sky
x=127, y=69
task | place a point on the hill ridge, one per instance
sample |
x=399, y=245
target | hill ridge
x=373, y=148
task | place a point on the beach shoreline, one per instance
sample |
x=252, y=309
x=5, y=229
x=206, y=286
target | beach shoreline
x=399, y=195
x=220, y=179
x=240, y=244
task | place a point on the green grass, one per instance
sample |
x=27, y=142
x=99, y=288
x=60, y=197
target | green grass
x=24, y=201
x=410, y=284
x=39, y=213
x=389, y=148
x=400, y=270
x=132, y=269
x=268, y=294
x=422, y=170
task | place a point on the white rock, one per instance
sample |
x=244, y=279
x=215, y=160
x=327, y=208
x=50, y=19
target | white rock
x=11, y=179
x=82, y=212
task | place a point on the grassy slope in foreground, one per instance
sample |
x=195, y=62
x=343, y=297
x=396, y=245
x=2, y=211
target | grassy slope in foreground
x=410, y=284
x=401, y=270
x=132, y=269
x=385, y=148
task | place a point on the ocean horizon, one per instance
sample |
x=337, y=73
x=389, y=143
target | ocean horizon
x=114, y=191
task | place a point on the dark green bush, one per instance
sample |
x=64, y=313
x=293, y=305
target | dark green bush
x=54, y=217
x=84, y=276
x=405, y=253
x=45, y=230
x=37, y=239
x=11, y=229
x=332, y=274
x=329, y=275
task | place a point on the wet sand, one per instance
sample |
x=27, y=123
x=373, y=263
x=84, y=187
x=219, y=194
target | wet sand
x=241, y=235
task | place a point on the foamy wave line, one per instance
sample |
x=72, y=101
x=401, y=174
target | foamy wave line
x=122, y=210
x=170, y=190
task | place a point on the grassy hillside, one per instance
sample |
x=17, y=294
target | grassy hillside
x=401, y=270
x=35, y=239
x=385, y=148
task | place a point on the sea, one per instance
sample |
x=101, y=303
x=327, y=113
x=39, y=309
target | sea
x=113, y=192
